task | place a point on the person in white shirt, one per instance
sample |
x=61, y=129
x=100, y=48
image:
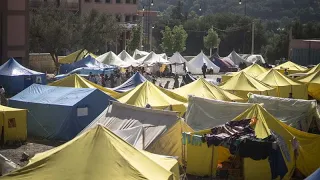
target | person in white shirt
x=2, y=96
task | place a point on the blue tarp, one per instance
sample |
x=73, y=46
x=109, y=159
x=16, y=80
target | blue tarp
x=15, y=78
x=314, y=176
x=88, y=61
x=131, y=83
x=59, y=113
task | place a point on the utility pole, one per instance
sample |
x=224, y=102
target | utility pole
x=150, y=39
x=141, y=31
x=252, y=38
x=211, y=47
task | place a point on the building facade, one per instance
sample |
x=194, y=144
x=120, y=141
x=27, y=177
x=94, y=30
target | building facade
x=304, y=52
x=14, y=18
x=70, y=5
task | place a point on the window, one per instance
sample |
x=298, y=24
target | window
x=108, y=1
x=118, y=1
x=128, y=1
x=12, y=123
x=86, y=0
x=97, y=1
x=127, y=19
x=134, y=1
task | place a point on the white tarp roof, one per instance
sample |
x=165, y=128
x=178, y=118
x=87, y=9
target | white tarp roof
x=111, y=58
x=195, y=65
x=124, y=56
x=152, y=59
x=139, y=54
x=176, y=58
x=164, y=56
x=253, y=58
x=120, y=116
x=237, y=59
x=133, y=136
x=205, y=113
x=294, y=112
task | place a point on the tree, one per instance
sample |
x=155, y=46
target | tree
x=134, y=42
x=167, y=42
x=211, y=40
x=179, y=39
x=51, y=30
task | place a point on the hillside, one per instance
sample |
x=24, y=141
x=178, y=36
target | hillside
x=305, y=10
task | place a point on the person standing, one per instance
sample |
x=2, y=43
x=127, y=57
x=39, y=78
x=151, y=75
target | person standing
x=112, y=81
x=176, y=81
x=286, y=72
x=3, y=100
x=204, y=70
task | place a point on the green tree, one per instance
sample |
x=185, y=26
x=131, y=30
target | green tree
x=211, y=40
x=51, y=30
x=179, y=39
x=167, y=43
x=134, y=42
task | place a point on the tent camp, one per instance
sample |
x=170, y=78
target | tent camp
x=119, y=117
x=170, y=142
x=237, y=59
x=124, y=56
x=194, y=65
x=76, y=81
x=15, y=78
x=76, y=56
x=158, y=98
x=111, y=58
x=59, y=113
x=14, y=124
x=205, y=113
x=313, y=83
x=241, y=84
x=88, y=61
x=254, y=70
x=178, y=63
x=95, y=155
x=137, y=54
x=291, y=67
x=297, y=113
x=152, y=59
x=131, y=83
x=202, y=88
x=284, y=84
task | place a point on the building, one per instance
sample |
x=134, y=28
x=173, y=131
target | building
x=70, y=5
x=14, y=18
x=304, y=52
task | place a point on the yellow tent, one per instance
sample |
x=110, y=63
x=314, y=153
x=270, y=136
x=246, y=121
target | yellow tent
x=201, y=88
x=284, y=84
x=241, y=84
x=170, y=143
x=291, y=66
x=71, y=58
x=203, y=160
x=156, y=97
x=77, y=81
x=313, y=82
x=14, y=123
x=254, y=70
x=314, y=69
x=95, y=155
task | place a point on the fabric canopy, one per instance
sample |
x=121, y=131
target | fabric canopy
x=124, y=56
x=111, y=58
x=195, y=65
x=314, y=69
x=88, y=61
x=152, y=59
x=176, y=58
x=205, y=113
x=313, y=83
x=77, y=81
x=314, y=176
x=76, y=56
x=202, y=88
x=253, y=58
x=158, y=98
x=294, y=112
x=284, y=84
x=94, y=155
x=125, y=117
x=178, y=63
x=170, y=142
x=224, y=66
x=237, y=59
x=291, y=67
x=14, y=77
x=131, y=83
x=133, y=136
x=254, y=70
x=242, y=83
x=228, y=61
x=59, y=113
x=139, y=54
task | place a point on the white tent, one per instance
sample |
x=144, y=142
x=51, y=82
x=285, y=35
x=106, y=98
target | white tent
x=124, y=56
x=205, y=113
x=195, y=65
x=178, y=63
x=120, y=116
x=237, y=59
x=111, y=58
x=253, y=58
x=139, y=54
x=164, y=56
x=133, y=136
x=152, y=59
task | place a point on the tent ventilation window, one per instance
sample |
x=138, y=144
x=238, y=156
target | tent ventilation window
x=12, y=123
x=82, y=112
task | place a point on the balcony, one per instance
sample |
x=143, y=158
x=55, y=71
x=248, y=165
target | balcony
x=71, y=6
